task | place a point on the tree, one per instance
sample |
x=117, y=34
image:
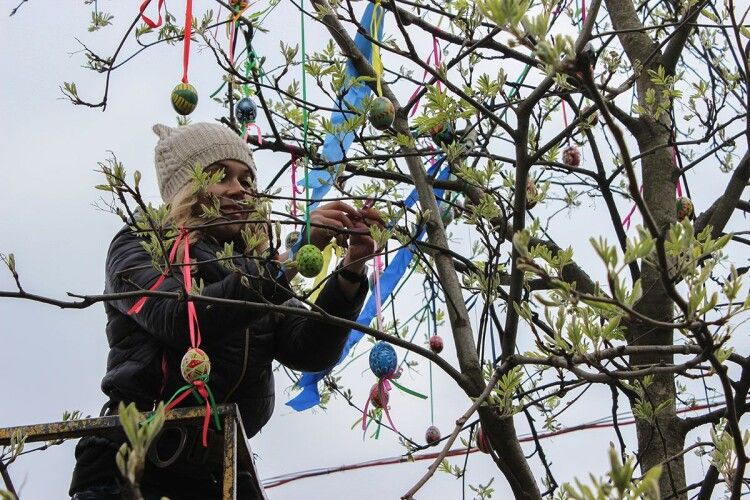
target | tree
x=648, y=94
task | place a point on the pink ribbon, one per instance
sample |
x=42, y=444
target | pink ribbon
x=384, y=386
x=626, y=220
x=257, y=128
x=376, y=274
x=434, y=55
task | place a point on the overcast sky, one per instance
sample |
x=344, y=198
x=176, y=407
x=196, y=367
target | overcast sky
x=54, y=359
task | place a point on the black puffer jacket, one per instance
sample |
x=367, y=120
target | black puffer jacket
x=241, y=343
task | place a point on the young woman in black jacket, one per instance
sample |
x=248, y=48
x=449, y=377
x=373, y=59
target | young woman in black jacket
x=146, y=347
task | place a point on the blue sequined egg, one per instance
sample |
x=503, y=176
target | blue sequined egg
x=383, y=359
x=246, y=111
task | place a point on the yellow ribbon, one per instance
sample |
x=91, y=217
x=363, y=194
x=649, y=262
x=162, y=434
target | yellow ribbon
x=377, y=64
x=327, y=256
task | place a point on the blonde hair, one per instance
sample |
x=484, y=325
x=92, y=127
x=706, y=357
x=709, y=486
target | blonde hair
x=185, y=210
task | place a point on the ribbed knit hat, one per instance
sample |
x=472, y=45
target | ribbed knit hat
x=180, y=149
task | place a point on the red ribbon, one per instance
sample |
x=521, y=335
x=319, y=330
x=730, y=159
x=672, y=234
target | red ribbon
x=200, y=386
x=195, y=331
x=384, y=386
x=149, y=22
x=583, y=11
x=142, y=301
x=188, y=34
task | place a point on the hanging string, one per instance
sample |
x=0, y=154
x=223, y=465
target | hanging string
x=377, y=64
x=565, y=119
x=433, y=315
x=305, y=121
x=295, y=190
x=188, y=35
x=250, y=65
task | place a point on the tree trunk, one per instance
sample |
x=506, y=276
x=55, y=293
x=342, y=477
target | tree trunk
x=661, y=438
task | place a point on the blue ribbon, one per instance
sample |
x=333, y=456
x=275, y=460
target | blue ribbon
x=308, y=382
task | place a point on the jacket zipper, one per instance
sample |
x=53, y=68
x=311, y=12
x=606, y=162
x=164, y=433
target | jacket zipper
x=244, y=365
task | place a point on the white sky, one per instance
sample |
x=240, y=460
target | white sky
x=54, y=359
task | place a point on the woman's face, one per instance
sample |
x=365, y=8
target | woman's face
x=235, y=188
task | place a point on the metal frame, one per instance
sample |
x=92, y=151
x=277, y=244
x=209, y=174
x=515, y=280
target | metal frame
x=236, y=448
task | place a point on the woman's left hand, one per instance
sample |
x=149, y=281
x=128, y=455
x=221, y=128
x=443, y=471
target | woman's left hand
x=338, y=215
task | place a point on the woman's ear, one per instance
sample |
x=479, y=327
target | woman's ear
x=163, y=131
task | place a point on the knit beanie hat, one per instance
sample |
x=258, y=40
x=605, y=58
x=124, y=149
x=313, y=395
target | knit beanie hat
x=180, y=149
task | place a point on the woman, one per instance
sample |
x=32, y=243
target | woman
x=241, y=343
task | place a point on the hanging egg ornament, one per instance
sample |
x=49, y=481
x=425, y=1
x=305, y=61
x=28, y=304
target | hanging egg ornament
x=309, y=261
x=246, y=111
x=571, y=156
x=482, y=442
x=378, y=397
x=184, y=98
x=432, y=435
x=382, y=113
x=532, y=193
x=684, y=208
x=436, y=344
x=195, y=365
x=443, y=133
x=291, y=239
x=383, y=359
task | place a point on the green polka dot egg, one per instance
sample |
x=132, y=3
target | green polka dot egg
x=382, y=113
x=684, y=208
x=195, y=365
x=184, y=98
x=309, y=261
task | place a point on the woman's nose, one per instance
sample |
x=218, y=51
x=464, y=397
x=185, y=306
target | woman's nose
x=236, y=188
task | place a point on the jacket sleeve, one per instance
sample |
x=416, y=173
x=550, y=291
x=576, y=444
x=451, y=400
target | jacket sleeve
x=306, y=344
x=129, y=268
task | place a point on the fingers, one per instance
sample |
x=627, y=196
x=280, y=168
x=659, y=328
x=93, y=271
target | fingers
x=338, y=215
x=371, y=216
x=341, y=207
